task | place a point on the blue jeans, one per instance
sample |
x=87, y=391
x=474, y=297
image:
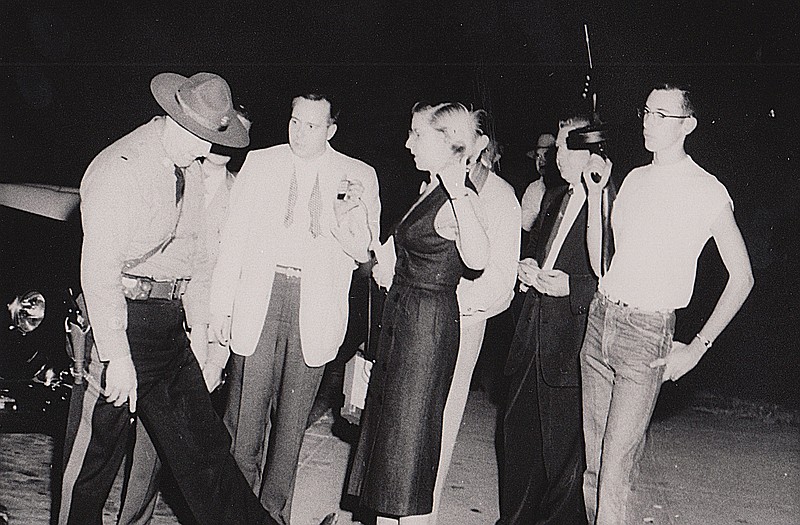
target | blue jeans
x=619, y=394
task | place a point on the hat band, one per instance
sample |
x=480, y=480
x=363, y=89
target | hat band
x=201, y=119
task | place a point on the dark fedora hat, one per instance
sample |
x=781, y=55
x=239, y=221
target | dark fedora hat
x=546, y=141
x=202, y=104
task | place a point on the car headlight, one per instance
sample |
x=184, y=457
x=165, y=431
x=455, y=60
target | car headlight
x=27, y=311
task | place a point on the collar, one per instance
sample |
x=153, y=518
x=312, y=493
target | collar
x=478, y=179
x=314, y=164
x=167, y=161
x=214, y=180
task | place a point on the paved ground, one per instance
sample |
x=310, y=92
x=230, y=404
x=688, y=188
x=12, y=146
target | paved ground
x=698, y=468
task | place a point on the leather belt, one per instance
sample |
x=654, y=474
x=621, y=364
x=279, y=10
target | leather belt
x=138, y=288
x=289, y=271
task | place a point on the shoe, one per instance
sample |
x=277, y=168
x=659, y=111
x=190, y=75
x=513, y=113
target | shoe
x=330, y=519
x=318, y=410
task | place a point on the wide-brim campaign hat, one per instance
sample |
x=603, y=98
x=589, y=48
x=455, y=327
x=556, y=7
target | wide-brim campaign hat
x=546, y=141
x=203, y=105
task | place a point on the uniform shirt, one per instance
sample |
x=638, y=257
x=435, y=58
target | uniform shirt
x=128, y=208
x=661, y=219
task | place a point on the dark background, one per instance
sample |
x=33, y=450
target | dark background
x=75, y=78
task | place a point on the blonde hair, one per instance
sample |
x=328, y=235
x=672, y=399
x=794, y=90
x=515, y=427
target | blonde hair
x=460, y=126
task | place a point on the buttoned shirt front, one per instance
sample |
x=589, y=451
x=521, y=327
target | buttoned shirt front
x=128, y=208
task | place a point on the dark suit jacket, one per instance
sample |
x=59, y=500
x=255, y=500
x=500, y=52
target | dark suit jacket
x=553, y=327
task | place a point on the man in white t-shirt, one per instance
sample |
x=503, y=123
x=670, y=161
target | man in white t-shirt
x=664, y=215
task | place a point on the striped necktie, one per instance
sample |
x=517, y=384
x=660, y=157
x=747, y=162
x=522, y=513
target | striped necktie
x=314, y=209
x=288, y=219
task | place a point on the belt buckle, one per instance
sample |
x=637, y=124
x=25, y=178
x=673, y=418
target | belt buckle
x=137, y=290
x=173, y=290
x=289, y=271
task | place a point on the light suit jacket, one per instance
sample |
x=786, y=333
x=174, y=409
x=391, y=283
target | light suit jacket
x=242, y=281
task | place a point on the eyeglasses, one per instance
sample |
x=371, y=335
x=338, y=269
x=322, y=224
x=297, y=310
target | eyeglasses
x=658, y=115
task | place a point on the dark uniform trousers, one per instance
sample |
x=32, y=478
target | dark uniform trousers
x=176, y=410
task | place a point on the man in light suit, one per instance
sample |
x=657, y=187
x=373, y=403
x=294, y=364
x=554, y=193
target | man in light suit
x=542, y=427
x=301, y=216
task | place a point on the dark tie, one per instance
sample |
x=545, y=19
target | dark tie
x=556, y=225
x=180, y=184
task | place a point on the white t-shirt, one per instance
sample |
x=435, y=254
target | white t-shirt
x=661, y=220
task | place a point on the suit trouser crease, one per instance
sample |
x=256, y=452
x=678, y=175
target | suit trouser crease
x=271, y=395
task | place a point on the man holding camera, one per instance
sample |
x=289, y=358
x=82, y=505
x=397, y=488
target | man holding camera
x=543, y=440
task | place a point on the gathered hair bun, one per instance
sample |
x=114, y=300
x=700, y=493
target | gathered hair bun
x=459, y=125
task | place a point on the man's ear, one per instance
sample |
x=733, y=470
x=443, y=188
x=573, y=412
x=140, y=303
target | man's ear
x=689, y=124
x=332, y=131
x=481, y=143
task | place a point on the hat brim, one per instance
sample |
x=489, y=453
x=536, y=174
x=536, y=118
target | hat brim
x=164, y=86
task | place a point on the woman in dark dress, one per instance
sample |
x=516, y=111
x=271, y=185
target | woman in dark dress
x=396, y=461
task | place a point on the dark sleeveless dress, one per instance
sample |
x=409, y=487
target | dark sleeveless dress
x=395, y=465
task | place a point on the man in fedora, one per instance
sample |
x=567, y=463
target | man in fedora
x=144, y=242
x=531, y=203
x=532, y=198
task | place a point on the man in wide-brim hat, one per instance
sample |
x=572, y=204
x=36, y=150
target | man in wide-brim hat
x=144, y=264
x=202, y=105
